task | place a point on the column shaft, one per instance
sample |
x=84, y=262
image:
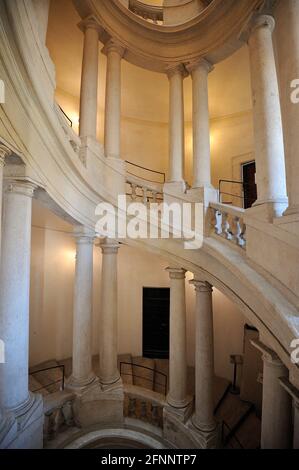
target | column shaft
x=204, y=358
x=82, y=374
x=287, y=44
x=201, y=124
x=277, y=403
x=176, y=124
x=269, y=147
x=114, y=54
x=109, y=373
x=14, y=293
x=177, y=395
x=276, y=411
x=89, y=81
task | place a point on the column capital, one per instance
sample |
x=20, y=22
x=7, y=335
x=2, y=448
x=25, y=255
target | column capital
x=114, y=46
x=268, y=355
x=200, y=63
x=176, y=273
x=4, y=152
x=109, y=246
x=201, y=286
x=22, y=187
x=89, y=23
x=83, y=235
x=262, y=21
x=176, y=69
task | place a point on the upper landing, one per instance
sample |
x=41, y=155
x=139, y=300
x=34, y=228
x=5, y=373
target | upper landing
x=156, y=37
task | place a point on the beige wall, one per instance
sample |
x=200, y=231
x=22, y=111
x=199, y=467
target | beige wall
x=52, y=277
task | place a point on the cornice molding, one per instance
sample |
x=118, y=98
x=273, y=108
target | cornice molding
x=213, y=34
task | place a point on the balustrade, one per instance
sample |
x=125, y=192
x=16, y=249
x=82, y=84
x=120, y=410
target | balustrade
x=228, y=222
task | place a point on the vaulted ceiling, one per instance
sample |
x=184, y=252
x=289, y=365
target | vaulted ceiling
x=145, y=93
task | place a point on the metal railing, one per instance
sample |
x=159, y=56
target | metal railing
x=70, y=122
x=243, y=197
x=54, y=382
x=155, y=372
x=147, y=170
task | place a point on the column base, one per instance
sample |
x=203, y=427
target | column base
x=182, y=411
x=292, y=210
x=267, y=210
x=174, y=189
x=206, y=437
x=96, y=405
x=23, y=427
x=77, y=385
x=111, y=383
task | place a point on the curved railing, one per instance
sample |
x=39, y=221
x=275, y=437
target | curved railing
x=150, y=13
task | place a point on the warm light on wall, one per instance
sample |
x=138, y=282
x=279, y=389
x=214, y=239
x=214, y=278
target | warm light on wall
x=69, y=256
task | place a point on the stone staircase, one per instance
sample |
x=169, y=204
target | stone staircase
x=241, y=427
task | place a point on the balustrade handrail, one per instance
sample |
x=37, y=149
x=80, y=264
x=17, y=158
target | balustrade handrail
x=144, y=378
x=228, y=209
x=153, y=12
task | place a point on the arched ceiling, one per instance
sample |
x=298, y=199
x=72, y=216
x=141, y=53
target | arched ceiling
x=213, y=34
x=144, y=93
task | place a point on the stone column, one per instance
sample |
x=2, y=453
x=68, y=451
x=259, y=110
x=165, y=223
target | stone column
x=14, y=295
x=109, y=373
x=4, y=152
x=294, y=394
x=89, y=80
x=176, y=75
x=287, y=40
x=114, y=54
x=277, y=405
x=269, y=147
x=203, y=418
x=201, y=123
x=177, y=395
x=82, y=374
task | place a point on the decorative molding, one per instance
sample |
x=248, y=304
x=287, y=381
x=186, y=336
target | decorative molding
x=114, y=46
x=89, y=22
x=176, y=69
x=22, y=187
x=268, y=355
x=109, y=246
x=176, y=273
x=199, y=63
x=262, y=21
x=201, y=286
x=4, y=152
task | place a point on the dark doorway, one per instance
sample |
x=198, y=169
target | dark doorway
x=156, y=322
x=250, y=192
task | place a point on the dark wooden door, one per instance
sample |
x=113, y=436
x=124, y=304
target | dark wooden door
x=156, y=322
x=250, y=192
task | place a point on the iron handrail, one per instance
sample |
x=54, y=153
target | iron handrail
x=62, y=367
x=241, y=183
x=146, y=169
x=66, y=116
x=144, y=378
